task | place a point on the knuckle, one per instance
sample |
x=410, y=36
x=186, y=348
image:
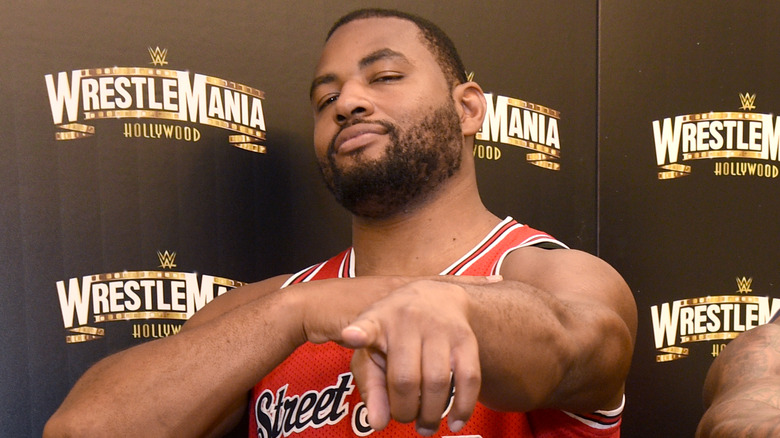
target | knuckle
x=437, y=384
x=411, y=313
x=405, y=384
x=469, y=376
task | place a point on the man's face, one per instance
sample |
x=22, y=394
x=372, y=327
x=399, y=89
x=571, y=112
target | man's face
x=386, y=131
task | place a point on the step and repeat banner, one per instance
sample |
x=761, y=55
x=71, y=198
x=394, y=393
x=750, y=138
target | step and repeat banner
x=689, y=179
x=156, y=155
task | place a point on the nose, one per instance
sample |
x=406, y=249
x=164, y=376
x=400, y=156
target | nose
x=353, y=101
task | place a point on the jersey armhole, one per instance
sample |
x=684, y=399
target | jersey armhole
x=549, y=245
x=545, y=244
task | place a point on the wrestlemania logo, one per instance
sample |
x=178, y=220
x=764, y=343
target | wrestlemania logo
x=515, y=122
x=727, y=136
x=136, y=295
x=82, y=96
x=713, y=318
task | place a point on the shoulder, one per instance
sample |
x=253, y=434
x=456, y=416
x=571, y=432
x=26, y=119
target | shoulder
x=573, y=276
x=560, y=266
x=235, y=298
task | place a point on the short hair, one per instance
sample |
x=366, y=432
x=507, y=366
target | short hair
x=440, y=45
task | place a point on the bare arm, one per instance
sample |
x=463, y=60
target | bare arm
x=184, y=384
x=557, y=332
x=742, y=389
x=564, y=335
x=196, y=382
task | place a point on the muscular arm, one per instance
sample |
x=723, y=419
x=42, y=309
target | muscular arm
x=742, y=389
x=184, y=384
x=547, y=336
x=558, y=331
x=196, y=382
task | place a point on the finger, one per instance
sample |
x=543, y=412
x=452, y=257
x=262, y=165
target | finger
x=468, y=379
x=369, y=372
x=435, y=386
x=362, y=333
x=403, y=378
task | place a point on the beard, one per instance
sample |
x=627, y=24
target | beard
x=416, y=161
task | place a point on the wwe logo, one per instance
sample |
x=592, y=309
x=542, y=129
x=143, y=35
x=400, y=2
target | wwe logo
x=747, y=101
x=166, y=259
x=158, y=56
x=743, y=285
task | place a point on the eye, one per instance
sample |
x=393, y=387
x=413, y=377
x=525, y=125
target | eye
x=326, y=100
x=387, y=77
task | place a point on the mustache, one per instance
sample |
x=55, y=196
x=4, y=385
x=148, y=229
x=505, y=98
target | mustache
x=390, y=127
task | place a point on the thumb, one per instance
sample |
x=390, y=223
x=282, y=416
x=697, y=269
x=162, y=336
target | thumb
x=362, y=333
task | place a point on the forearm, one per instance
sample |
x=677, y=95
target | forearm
x=184, y=384
x=187, y=384
x=537, y=351
x=740, y=418
x=742, y=388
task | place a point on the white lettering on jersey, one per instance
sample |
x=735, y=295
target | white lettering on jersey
x=279, y=415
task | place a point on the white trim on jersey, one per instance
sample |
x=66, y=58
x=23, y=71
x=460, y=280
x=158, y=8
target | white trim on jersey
x=613, y=414
x=533, y=240
x=351, y=272
x=476, y=249
x=297, y=274
x=480, y=252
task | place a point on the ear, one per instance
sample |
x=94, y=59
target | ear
x=471, y=106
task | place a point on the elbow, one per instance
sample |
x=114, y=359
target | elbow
x=619, y=340
x=50, y=429
x=600, y=363
x=613, y=354
x=614, y=362
x=60, y=426
x=68, y=423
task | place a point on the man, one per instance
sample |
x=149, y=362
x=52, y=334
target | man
x=741, y=389
x=517, y=328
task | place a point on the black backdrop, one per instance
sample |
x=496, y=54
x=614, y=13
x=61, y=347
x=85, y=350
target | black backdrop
x=103, y=206
x=689, y=237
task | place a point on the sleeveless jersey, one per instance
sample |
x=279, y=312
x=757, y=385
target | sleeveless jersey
x=313, y=394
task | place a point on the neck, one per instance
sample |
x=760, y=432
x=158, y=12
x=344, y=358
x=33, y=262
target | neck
x=426, y=239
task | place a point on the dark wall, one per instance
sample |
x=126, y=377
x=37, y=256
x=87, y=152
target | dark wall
x=85, y=215
x=699, y=242
x=92, y=213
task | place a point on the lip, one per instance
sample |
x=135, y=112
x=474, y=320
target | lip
x=357, y=136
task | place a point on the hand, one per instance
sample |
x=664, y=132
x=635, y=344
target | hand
x=411, y=347
x=327, y=306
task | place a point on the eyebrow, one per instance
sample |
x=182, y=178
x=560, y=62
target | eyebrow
x=364, y=62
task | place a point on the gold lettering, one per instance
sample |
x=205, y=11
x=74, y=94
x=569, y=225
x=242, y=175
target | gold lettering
x=161, y=131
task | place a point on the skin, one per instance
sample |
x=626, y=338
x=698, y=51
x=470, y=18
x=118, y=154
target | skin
x=410, y=327
x=741, y=389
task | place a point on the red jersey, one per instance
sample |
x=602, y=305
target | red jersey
x=312, y=393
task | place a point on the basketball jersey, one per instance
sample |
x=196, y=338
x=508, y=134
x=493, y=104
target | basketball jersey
x=313, y=394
